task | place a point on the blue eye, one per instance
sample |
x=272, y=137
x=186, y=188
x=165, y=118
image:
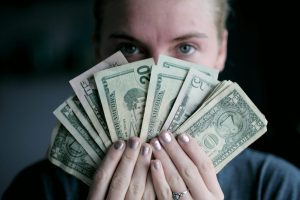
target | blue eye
x=186, y=49
x=128, y=49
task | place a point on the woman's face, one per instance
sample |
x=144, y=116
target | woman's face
x=184, y=29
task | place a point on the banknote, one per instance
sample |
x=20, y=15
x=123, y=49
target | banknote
x=166, y=80
x=226, y=125
x=164, y=86
x=116, y=100
x=182, y=66
x=69, y=120
x=195, y=88
x=218, y=89
x=65, y=152
x=85, y=88
x=81, y=115
x=122, y=92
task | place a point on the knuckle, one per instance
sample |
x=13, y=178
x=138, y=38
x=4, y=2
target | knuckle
x=128, y=157
x=148, y=195
x=101, y=175
x=206, y=166
x=174, y=180
x=189, y=172
x=117, y=183
x=165, y=193
x=135, y=189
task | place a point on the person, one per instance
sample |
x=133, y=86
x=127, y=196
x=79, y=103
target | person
x=167, y=167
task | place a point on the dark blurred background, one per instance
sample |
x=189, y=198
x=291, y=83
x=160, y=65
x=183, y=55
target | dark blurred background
x=46, y=43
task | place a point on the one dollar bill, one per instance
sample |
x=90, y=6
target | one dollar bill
x=226, y=125
x=67, y=117
x=65, y=152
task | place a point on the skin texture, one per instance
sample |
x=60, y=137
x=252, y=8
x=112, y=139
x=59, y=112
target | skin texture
x=142, y=29
x=148, y=28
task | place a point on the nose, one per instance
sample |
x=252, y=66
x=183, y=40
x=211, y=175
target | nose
x=155, y=57
x=155, y=53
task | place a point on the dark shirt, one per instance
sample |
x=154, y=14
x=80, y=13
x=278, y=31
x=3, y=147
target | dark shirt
x=251, y=175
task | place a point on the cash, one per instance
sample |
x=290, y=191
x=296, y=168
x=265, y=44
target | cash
x=66, y=153
x=123, y=92
x=67, y=117
x=115, y=100
x=85, y=88
x=165, y=83
x=226, y=125
x=195, y=89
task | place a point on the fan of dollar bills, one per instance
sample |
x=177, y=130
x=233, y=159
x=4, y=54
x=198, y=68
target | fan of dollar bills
x=116, y=100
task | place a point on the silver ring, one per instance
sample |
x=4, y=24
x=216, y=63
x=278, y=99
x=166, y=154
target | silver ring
x=178, y=195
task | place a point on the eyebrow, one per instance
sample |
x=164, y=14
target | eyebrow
x=191, y=35
x=180, y=38
x=123, y=36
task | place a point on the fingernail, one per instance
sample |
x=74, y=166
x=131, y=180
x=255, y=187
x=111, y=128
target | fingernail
x=145, y=150
x=184, y=138
x=118, y=145
x=133, y=143
x=156, y=145
x=166, y=137
x=156, y=164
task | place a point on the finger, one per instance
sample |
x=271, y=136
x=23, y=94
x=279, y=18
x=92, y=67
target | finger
x=202, y=161
x=105, y=172
x=149, y=193
x=173, y=177
x=122, y=176
x=138, y=181
x=161, y=187
x=186, y=168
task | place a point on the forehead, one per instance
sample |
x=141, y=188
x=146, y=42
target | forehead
x=135, y=15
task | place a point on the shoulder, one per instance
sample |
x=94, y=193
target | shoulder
x=43, y=180
x=261, y=174
x=264, y=163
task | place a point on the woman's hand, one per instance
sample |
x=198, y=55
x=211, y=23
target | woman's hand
x=182, y=166
x=123, y=172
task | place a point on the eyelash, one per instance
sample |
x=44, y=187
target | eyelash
x=124, y=47
x=193, y=48
x=134, y=52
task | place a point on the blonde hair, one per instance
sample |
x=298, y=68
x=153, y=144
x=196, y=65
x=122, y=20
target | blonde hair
x=221, y=9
